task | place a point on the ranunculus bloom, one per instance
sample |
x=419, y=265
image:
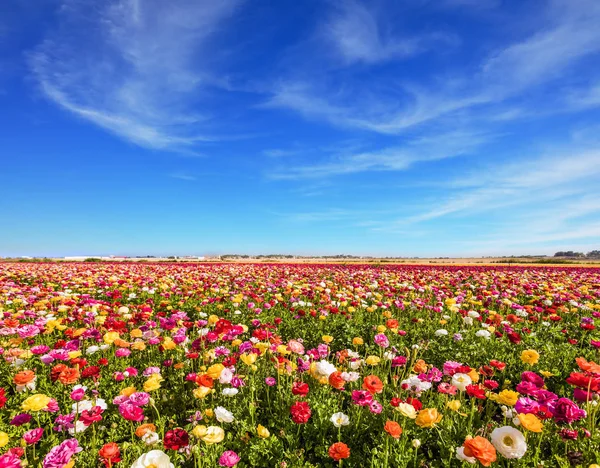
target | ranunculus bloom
x=33, y=436
x=300, y=412
x=176, y=439
x=509, y=441
x=339, y=451
x=393, y=429
x=110, y=454
x=566, y=411
x=481, y=449
x=372, y=384
x=60, y=455
x=154, y=459
x=428, y=417
x=229, y=458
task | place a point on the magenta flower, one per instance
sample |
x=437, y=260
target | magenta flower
x=131, y=412
x=382, y=340
x=566, y=411
x=270, y=381
x=361, y=397
x=10, y=460
x=33, y=436
x=229, y=458
x=61, y=455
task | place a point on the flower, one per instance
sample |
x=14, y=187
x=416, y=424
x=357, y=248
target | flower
x=110, y=454
x=153, y=459
x=213, y=435
x=453, y=405
x=33, y=436
x=393, y=429
x=372, y=384
x=480, y=449
x=460, y=455
x=229, y=458
x=262, y=432
x=407, y=410
x=505, y=397
x=143, y=429
x=176, y=439
x=10, y=460
x=566, y=411
x=530, y=356
x=509, y=441
x=300, y=412
x=428, y=417
x=339, y=451
x=530, y=422
x=339, y=419
x=60, y=455
x=222, y=415
x=36, y=402
x=461, y=381
x=3, y=439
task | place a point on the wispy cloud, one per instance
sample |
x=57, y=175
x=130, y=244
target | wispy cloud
x=394, y=158
x=183, y=176
x=568, y=34
x=131, y=66
x=360, y=33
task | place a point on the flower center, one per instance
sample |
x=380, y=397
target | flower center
x=508, y=441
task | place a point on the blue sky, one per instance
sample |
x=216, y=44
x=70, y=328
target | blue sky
x=400, y=127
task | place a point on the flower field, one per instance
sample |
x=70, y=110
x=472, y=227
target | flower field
x=171, y=365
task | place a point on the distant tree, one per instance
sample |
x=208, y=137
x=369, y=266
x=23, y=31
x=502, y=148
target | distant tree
x=593, y=254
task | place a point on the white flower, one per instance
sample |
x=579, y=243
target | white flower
x=223, y=415
x=340, y=419
x=154, y=459
x=79, y=427
x=415, y=384
x=324, y=369
x=226, y=376
x=441, y=332
x=467, y=320
x=473, y=314
x=483, y=334
x=84, y=405
x=460, y=454
x=230, y=391
x=354, y=365
x=461, y=381
x=92, y=349
x=350, y=376
x=151, y=438
x=416, y=443
x=509, y=442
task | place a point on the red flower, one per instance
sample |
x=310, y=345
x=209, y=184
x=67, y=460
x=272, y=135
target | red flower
x=395, y=402
x=300, y=389
x=514, y=337
x=498, y=364
x=476, y=391
x=92, y=372
x=490, y=384
x=110, y=454
x=2, y=397
x=89, y=417
x=417, y=405
x=339, y=451
x=300, y=412
x=176, y=439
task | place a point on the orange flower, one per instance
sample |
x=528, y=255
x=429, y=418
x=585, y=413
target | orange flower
x=56, y=370
x=336, y=381
x=588, y=366
x=339, y=451
x=24, y=377
x=205, y=381
x=145, y=428
x=372, y=384
x=420, y=367
x=480, y=448
x=68, y=376
x=428, y=417
x=121, y=343
x=393, y=429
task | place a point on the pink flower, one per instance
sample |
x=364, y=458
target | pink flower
x=77, y=394
x=361, y=397
x=229, y=458
x=296, y=347
x=61, y=455
x=10, y=460
x=375, y=407
x=270, y=381
x=122, y=352
x=131, y=412
x=382, y=340
x=33, y=436
x=564, y=410
x=450, y=367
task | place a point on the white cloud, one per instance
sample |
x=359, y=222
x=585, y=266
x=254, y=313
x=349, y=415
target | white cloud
x=568, y=33
x=183, y=176
x=130, y=66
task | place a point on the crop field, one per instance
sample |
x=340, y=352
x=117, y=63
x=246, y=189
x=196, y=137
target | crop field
x=298, y=365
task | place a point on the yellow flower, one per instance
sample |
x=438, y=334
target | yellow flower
x=351, y=309
x=215, y=370
x=381, y=328
x=453, y=405
x=505, y=397
x=214, y=435
x=282, y=349
x=428, y=417
x=407, y=410
x=110, y=337
x=443, y=322
x=262, y=346
x=138, y=346
x=530, y=356
x=153, y=383
x=201, y=392
x=74, y=354
x=373, y=360
x=128, y=391
x=358, y=341
x=209, y=413
x=213, y=319
x=199, y=431
x=531, y=422
x=248, y=359
x=36, y=402
x=327, y=338
x=474, y=375
x=262, y=432
x=236, y=343
x=169, y=344
x=546, y=373
x=4, y=439
x=136, y=333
